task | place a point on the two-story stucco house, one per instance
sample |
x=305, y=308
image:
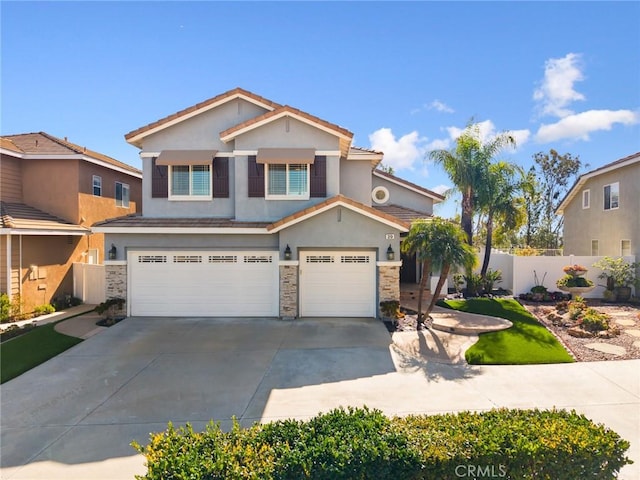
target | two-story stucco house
x=252, y=208
x=51, y=192
x=602, y=211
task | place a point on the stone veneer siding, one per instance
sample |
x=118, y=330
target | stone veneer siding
x=388, y=283
x=288, y=291
x=116, y=283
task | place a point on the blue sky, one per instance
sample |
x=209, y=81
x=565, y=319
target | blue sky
x=404, y=77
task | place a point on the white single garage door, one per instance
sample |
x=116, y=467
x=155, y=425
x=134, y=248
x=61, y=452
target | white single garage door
x=204, y=283
x=338, y=284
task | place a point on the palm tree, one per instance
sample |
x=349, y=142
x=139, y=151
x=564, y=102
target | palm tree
x=448, y=249
x=499, y=200
x=439, y=244
x=467, y=165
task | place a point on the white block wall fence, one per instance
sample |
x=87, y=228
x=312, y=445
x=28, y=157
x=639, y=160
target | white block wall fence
x=519, y=272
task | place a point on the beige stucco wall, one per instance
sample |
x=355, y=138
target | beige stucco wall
x=609, y=227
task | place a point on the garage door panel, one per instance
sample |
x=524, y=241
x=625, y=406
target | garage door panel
x=210, y=283
x=337, y=283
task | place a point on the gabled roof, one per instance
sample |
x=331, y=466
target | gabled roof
x=339, y=200
x=28, y=220
x=620, y=163
x=285, y=111
x=40, y=144
x=135, y=136
x=437, y=198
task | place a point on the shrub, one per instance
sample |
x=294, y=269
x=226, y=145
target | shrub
x=5, y=307
x=593, y=321
x=360, y=443
x=43, y=309
x=576, y=307
x=491, y=277
x=573, y=281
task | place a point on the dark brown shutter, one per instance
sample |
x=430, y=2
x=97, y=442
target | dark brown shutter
x=256, y=177
x=159, y=180
x=220, y=178
x=318, y=174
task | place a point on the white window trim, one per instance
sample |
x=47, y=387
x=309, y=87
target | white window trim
x=586, y=194
x=191, y=198
x=622, y=254
x=121, y=201
x=93, y=185
x=267, y=196
x=604, y=196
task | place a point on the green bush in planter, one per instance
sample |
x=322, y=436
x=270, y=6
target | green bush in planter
x=359, y=443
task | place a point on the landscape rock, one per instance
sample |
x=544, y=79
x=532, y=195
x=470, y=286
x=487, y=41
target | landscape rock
x=579, y=332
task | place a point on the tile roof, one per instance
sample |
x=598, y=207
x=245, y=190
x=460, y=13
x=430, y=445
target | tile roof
x=364, y=150
x=149, y=222
x=45, y=144
x=20, y=216
x=278, y=112
x=336, y=200
x=230, y=94
x=403, y=213
x=426, y=191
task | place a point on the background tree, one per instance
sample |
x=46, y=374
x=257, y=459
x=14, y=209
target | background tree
x=532, y=195
x=555, y=175
x=500, y=200
x=466, y=165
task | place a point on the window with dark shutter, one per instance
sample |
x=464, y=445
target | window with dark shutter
x=159, y=180
x=256, y=177
x=221, y=178
x=318, y=177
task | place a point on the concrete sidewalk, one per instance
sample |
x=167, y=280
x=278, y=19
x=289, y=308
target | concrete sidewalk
x=52, y=317
x=74, y=416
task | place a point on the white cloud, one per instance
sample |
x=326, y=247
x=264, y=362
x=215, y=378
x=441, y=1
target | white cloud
x=440, y=107
x=486, y=132
x=401, y=153
x=439, y=144
x=579, y=126
x=441, y=189
x=556, y=91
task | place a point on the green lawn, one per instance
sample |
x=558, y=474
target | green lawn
x=526, y=342
x=31, y=349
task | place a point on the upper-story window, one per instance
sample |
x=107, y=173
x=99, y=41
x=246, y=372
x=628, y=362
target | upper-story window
x=611, y=196
x=289, y=181
x=586, y=198
x=190, y=182
x=97, y=185
x=122, y=195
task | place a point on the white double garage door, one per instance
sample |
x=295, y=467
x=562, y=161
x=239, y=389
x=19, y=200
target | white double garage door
x=246, y=283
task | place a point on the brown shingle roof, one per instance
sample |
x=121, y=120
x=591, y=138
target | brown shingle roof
x=230, y=94
x=45, y=144
x=9, y=145
x=426, y=191
x=279, y=111
x=366, y=150
x=147, y=222
x=333, y=200
x=403, y=213
x=24, y=217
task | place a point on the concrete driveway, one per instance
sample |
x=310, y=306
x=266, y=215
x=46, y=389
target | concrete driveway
x=74, y=416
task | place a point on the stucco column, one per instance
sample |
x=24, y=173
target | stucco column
x=289, y=289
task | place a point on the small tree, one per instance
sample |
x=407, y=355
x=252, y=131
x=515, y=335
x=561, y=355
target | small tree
x=437, y=243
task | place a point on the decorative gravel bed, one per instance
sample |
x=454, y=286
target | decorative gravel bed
x=625, y=316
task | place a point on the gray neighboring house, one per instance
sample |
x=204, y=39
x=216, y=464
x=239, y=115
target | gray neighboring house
x=252, y=208
x=602, y=211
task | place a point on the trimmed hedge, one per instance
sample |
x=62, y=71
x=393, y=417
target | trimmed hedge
x=358, y=443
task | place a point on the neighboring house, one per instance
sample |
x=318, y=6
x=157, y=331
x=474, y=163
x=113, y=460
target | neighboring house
x=51, y=192
x=252, y=208
x=602, y=211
